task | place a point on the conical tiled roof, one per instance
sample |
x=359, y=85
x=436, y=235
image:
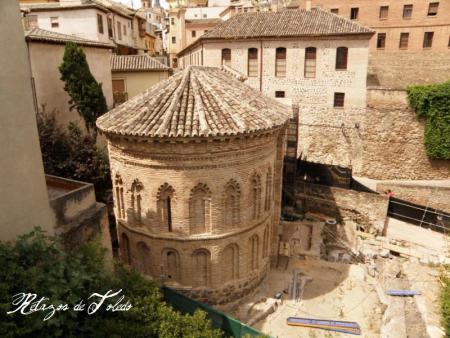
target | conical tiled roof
x=198, y=101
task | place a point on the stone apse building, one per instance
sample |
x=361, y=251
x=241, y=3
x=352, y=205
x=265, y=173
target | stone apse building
x=196, y=163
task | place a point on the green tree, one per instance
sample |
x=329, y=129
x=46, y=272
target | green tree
x=36, y=263
x=85, y=92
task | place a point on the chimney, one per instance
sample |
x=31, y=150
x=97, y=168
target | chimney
x=308, y=5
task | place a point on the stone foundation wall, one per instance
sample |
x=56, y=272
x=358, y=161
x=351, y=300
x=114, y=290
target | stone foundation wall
x=384, y=141
x=367, y=210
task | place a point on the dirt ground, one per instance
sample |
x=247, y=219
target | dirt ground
x=350, y=292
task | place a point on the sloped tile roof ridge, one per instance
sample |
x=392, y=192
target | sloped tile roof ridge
x=139, y=62
x=39, y=34
x=196, y=102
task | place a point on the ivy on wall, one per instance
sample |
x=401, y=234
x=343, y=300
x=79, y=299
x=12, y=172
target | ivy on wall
x=432, y=102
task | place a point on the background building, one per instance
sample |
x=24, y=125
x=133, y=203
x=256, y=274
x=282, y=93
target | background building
x=197, y=180
x=412, y=40
x=45, y=54
x=312, y=58
x=133, y=74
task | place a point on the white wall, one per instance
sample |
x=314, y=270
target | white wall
x=317, y=91
x=193, y=13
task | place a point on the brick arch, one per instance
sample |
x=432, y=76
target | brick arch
x=118, y=189
x=231, y=203
x=135, y=200
x=144, y=258
x=230, y=262
x=125, y=249
x=201, y=263
x=253, y=247
x=171, y=264
x=164, y=206
x=199, y=209
x=269, y=189
x=255, y=195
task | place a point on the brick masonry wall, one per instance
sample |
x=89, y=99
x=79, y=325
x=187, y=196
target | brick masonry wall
x=401, y=69
x=183, y=166
x=368, y=210
x=433, y=196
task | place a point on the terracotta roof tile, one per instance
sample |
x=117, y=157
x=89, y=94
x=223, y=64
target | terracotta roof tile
x=285, y=24
x=37, y=34
x=198, y=101
x=121, y=63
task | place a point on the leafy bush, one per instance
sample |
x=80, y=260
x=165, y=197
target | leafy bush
x=433, y=103
x=37, y=263
x=72, y=154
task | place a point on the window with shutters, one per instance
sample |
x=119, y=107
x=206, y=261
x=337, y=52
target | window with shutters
x=433, y=8
x=407, y=11
x=280, y=62
x=100, y=23
x=404, y=39
x=252, y=66
x=341, y=58
x=384, y=12
x=428, y=39
x=310, y=62
x=119, y=31
x=381, y=40
x=226, y=57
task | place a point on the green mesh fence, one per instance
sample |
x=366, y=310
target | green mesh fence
x=230, y=326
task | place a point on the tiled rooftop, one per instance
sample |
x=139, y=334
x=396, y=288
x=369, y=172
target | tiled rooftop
x=123, y=63
x=37, y=34
x=198, y=101
x=285, y=24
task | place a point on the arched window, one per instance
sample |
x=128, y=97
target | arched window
x=254, y=252
x=268, y=198
x=144, y=263
x=118, y=183
x=201, y=259
x=136, y=188
x=230, y=263
x=341, y=58
x=280, y=62
x=199, y=209
x=226, y=57
x=266, y=242
x=125, y=249
x=310, y=62
x=255, y=196
x=231, y=203
x=252, y=63
x=171, y=264
x=164, y=206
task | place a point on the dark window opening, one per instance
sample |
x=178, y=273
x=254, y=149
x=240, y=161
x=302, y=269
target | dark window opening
x=354, y=13
x=341, y=58
x=279, y=93
x=433, y=8
x=404, y=38
x=334, y=10
x=384, y=12
x=381, y=40
x=339, y=100
x=407, y=11
x=428, y=39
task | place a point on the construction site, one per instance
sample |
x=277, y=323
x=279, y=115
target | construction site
x=350, y=281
